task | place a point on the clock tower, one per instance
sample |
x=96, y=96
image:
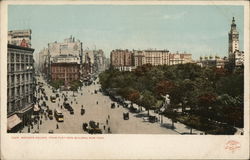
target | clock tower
x=233, y=40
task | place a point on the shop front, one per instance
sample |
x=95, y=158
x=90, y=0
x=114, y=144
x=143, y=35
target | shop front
x=25, y=115
x=14, y=124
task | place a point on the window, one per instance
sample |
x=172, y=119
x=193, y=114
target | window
x=18, y=78
x=22, y=58
x=27, y=59
x=18, y=91
x=17, y=58
x=12, y=57
x=12, y=68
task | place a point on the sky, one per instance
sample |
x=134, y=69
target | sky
x=197, y=29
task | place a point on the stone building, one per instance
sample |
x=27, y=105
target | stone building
x=154, y=57
x=182, y=58
x=20, y=86
x=213, y=61
x=235, y=56
x=68, y=46
x=94, y=61
x=122, y=59
x=15, y=37
x=125, y=60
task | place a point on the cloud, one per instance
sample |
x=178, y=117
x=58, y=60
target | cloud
x=175, y=16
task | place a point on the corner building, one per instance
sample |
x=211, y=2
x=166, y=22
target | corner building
x=20, y=86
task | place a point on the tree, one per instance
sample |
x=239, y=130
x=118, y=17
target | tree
x=172, y=114
x=133, y=96
x=163, y=87
x=148, y=100
x=74, y=85
x=57, y=83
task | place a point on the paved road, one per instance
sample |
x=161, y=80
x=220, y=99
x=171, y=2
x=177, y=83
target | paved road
x=99, y=113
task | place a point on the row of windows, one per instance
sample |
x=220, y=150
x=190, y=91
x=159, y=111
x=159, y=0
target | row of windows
x=25, y=89
x=17, y=57
x=19, y=67
x=19, y=78
x=67, y=75
x=71, y=69
x=19, y=104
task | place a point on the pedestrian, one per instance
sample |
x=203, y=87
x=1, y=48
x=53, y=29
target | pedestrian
x=57, y=127
x=61, y=106
x=109, y=130
x=107, y=121
x=104, y=127
x=40, y=122
x=96, y=102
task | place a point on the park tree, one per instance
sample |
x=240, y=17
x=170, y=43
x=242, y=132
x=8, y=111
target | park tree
x=148, y=100
x=164, y=87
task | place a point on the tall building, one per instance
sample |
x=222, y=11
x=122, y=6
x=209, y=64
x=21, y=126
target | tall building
x=20, y=86
x=16, y=37
x=154, y=57
x=235, y=56
x=68, y=46
x=96, y=59
x=126, y=60
x=58, y=51
x=233, y=39
x=122, y=59
x=160, y=57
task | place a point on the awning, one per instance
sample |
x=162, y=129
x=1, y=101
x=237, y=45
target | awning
x=13, y=121
x=36, y=108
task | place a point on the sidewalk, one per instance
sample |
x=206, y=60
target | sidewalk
x=179, y=127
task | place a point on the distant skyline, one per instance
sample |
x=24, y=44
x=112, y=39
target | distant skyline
x=197, y=29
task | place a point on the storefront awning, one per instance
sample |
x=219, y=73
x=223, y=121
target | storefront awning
x=12, y=121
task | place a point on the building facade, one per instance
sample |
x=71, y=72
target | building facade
x=68, y=46
x=121, y=58
x=213, y=61
x=16, y=37
x=20, y=85
x=66, y=72
x=235, y=56
x=125, y=60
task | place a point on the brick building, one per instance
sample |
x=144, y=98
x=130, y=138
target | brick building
x=67, y=72
x=122, y=59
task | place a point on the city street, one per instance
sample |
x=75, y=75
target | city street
x=99, y=113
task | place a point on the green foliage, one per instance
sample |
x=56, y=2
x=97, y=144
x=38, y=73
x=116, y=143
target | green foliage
x=57, y=83
x=212, y=93
x=74, y=85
